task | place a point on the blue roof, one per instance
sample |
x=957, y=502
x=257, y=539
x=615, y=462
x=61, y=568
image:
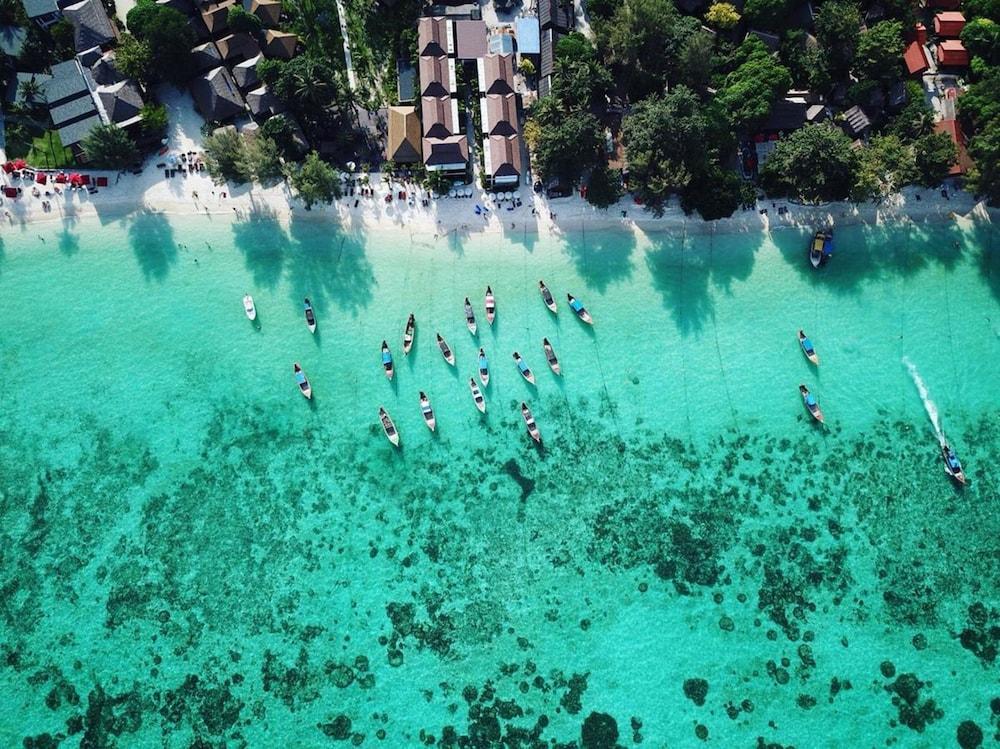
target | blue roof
x=528, y=37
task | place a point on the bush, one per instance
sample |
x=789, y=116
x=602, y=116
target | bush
x=722, y=16
x=109, y=147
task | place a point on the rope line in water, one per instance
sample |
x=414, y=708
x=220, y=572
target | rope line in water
x=718, y=348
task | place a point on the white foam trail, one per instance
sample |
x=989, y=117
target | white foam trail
x=925, y=396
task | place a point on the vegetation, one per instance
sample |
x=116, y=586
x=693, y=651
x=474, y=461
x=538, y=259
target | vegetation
x=169, y=37
x=722, y=16
x=225, y=157
x=752, y=88
x=566, y=143
x=604, y=187
x=378, y=37
x=979, y=109
x=315, y=181
x=154, y=119
x=242, y=21
x=879, y=52
x=767, y=14
x=109, y=147
x=934, y=155
x=134, y=59
x=48, y=152
x=838, y=24
x=814, y=164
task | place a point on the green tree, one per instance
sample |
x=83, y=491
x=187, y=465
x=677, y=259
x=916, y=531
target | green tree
x=109, y=147
x=984, y=177
x=644, y=40
x=934, y=155
x=308, y=85
x=754, y=86
x=31, y=92
x=262, y=160
x=880, y=52
x=604, y=187
x=315, y=181
x=838, y=25
x=134, y=59
x=982, y=9
x=169, y=37
x=981, y=37
x=669, y=140
x=527, y=67
x=767, y=14
x=884, y=166
x=64, y=38
x=722, y=16
x=716, y=193
x=697, y=60
x=154, y=119
x=805, y=60
x=567, y=144
x=601, y=10
x=917, y=116
x=815, y=163
x=243, y=22
x=280, y=130
x=979, y=106
x=226, y=157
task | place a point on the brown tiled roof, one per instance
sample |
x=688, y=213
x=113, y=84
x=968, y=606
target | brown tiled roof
x=954, y=131
x=949, y=23
x=237, y=47
x=915, y=58
x=470, y=39
x=501, y=113
x=436, y=114
x=451, y=150
x=280, y=44
x=505, y=155
x=952, y=52
x=268, y=11
x=216, y=16
x=499, y=73
x=432, y=36
x=435, y=78
x=404, y=135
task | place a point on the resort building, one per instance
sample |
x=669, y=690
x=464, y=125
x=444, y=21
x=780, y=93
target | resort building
x=916, y=59
x=949, y=24
x=403, y=145
x=502, y=159
x=952, y=53
x=444, y=145
x=216, y=96
x=43, y=12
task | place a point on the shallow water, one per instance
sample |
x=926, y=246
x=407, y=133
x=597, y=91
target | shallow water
x=194, y=556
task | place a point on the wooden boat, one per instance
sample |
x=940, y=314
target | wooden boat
x=812, y=405
x=807, y=348
x=523, y=368
x=411, y=326
x=477, y=395
x=821, y=248
x=550, y=356
x=310, y=316
x=470, y=317
x=303, y=382
x=387, y=360
x=249, y=307
x=446, y=350
x=952, y=466
x=529, y=421
x=547, y=296
x=427, y=411
x=484, y=368
x=388, y=427
x=578, y=308
x=491, y=306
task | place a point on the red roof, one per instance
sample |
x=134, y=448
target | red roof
x=954, y=130
x=915, y=59
x=952, y=52
x=949, y=23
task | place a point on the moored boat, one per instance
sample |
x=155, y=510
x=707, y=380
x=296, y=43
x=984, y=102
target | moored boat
x=550, y=356
x=547, y=296
x=529, y=421
x=427, y=411
x=446, y=350
x=579, y=309
x=477, y=395
x=821, y=248
x=807, y=348
x=470, y=317
x=310, y=316
x=387, y=360
x=411, y=326
x=812, y=405
x=952, y=465
x=249, y=307
x=303, y=382
x=491, y=306
x=388, y=426
x=484, y=368
x=526, y=373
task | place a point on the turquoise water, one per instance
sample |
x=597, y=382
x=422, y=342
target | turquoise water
x=194, y=556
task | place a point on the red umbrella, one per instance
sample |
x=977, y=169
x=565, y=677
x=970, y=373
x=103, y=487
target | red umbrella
x=75, y=179
x=61, y=178
x=20, y=163
x=8, y=167
x=41, y=178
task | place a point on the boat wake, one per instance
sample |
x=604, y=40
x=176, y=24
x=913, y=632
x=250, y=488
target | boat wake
x=929, y=405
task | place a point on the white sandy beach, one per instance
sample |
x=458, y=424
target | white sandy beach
x=196, y=194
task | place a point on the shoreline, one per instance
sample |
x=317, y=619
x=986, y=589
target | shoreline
x=141, y=193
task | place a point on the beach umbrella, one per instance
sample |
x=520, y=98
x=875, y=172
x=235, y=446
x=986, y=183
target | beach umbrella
x=492, y=196
x=20, y=163
x=41, y=178
x=60, y=178
x=8, y=167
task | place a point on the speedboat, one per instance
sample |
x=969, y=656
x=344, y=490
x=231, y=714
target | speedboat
x=411, y=325
x=477, y=395
x=578, y=308
x=807, y=348
x=952, y=466
x=387, y=360
x=484, y=368
x=821, y=248
x=427, y=411
x=550, y=356
x=529, y=421
x=547, y=296
x=303, y=382
x=470, y=317
x=446, y=350
x=310, y=316
x=249, y=308
x=491, y=306
x=388, y=427
x=523, y=368
x=812, y=405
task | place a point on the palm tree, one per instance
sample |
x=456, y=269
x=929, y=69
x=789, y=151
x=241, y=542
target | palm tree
x=31, y=91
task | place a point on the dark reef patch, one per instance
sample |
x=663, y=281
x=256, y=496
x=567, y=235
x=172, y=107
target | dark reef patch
x=913, y=712
x=696, y=690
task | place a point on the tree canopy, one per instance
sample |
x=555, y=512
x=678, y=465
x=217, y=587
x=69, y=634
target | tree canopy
x=225, y=157
x=815, y=163
x=722, y=16
x=981, y=36
x=134, y=59
x=838, y=25
x=109, y=147
x=884, y=166
x=880, y=52
x=767, y=14
x=169, y=37
x=934, y=155
x=566, y=144
x=242, y=21
x=751, y=89
x=315, y=181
